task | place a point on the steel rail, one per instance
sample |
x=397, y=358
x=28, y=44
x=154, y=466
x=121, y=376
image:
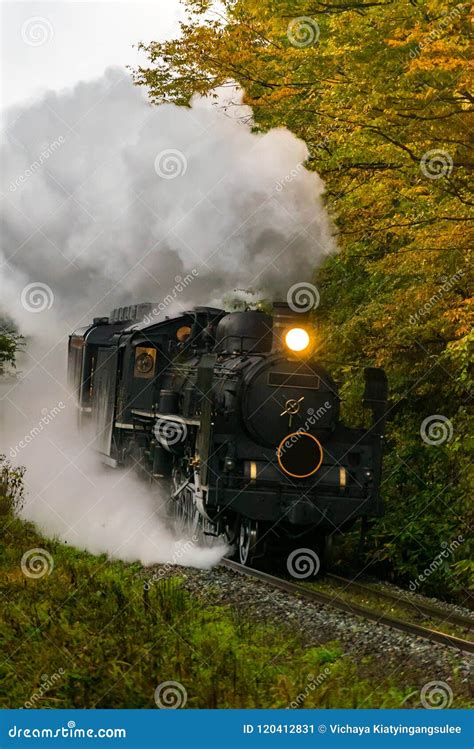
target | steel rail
x=431, y=610
x=354, y=609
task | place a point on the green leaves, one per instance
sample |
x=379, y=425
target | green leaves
x=380, y=95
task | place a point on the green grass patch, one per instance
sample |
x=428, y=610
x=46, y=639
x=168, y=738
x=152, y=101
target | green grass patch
x=87, y=634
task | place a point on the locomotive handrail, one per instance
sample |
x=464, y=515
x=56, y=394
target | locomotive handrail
x=167, y=417
x=240, y=338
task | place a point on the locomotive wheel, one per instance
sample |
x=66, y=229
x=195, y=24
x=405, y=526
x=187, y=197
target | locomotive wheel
x=180, y=514
x=231, y=532
x=247, y=541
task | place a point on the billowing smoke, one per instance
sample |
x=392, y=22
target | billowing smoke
x=107, y=200
x=68, y=493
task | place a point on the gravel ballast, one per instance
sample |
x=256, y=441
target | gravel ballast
x=318, y=624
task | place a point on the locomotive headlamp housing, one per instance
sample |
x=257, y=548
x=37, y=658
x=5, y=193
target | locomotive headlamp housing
x=183, y=332
x=297, y=339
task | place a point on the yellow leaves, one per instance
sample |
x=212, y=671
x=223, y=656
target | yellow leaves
x=376, y=107
x=463, y=330
x=395, y=42
x=432, y=61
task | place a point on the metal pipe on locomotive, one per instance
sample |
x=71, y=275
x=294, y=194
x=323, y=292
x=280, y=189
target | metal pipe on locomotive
x=237, y=414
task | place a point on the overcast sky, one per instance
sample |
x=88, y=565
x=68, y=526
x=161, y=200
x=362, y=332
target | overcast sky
x=52, y=45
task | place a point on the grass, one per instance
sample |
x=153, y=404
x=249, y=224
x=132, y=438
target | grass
x=89, y=635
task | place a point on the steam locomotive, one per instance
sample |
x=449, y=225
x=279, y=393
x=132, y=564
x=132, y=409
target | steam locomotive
x=235, y=413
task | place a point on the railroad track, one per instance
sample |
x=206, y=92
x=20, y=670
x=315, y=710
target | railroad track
x=419, y=607
x=316, y=596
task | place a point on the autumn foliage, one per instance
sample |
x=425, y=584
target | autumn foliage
x=380, y=92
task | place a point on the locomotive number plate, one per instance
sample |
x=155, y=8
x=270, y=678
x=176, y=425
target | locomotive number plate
x=293, y=380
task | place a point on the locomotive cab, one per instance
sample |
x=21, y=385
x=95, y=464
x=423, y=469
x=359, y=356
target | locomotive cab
x=83, y=348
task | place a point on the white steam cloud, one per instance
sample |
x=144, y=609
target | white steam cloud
x=106, y=200
x=69, y=494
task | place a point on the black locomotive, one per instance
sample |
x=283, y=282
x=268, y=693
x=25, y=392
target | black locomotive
x=235, y=411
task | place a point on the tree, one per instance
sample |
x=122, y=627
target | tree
x=379, y=90
x=9, y=342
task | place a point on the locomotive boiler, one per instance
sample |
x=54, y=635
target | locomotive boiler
x=236, y=416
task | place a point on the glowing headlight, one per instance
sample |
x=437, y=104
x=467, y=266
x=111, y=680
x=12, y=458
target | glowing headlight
x=297, y=339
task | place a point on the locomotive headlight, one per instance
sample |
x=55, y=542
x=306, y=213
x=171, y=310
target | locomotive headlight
x=297, y=339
